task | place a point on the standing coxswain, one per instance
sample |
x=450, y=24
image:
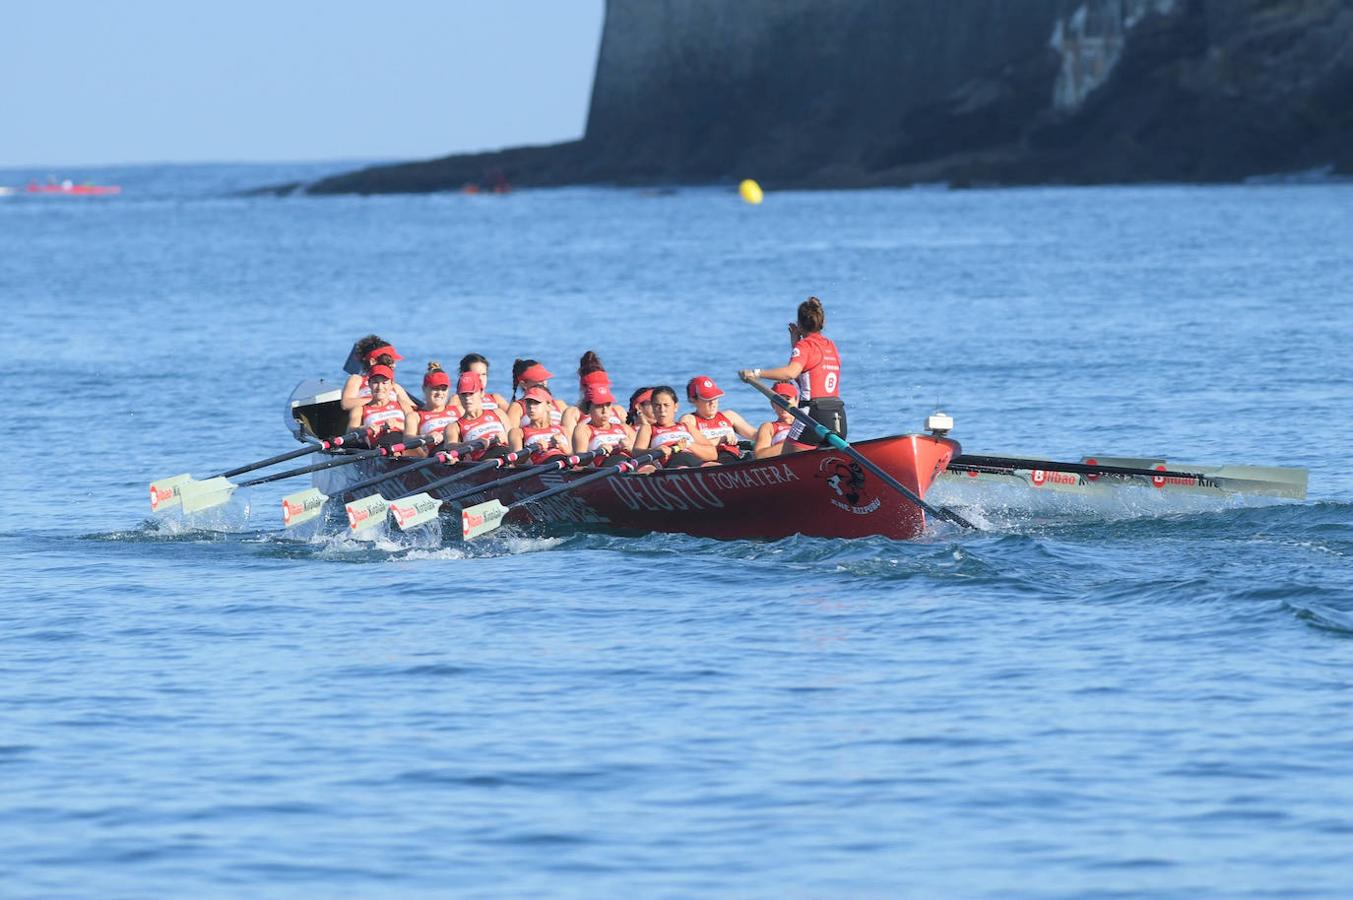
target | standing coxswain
x=815, y=365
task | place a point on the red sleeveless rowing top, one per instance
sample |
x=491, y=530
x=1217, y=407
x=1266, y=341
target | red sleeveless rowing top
x=430, y=421
x=386, y=417
x=821, y=375
x=488, y=424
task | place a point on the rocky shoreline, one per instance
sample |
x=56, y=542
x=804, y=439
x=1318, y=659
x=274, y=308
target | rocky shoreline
x=803, y=94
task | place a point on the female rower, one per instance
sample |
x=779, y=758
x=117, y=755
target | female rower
x=772, y=434
x=437, y=411
x=641, y=408
x=536, y=432
x=478, y=364
x=371, y=351
x=599, y=430
x=815, y=365
x=590, y=372
x=679, y=446
x=526, y=374
x=383, y=414
x=722, y=429
x=477, y=423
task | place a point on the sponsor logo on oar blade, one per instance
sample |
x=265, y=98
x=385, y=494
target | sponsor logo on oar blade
x=478, y=519
x=415, y=510
x=302, y=507
x=366, y=512
x=165, y=492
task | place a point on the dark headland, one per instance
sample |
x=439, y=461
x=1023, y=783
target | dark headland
x=859, y=93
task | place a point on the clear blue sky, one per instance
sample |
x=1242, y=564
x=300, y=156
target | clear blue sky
x=153, y=80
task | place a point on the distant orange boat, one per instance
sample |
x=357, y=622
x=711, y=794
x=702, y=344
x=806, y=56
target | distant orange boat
x=70, y=187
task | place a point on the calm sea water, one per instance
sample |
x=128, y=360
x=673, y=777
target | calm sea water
x=1136, y=697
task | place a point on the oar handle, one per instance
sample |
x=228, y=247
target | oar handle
x=344, y=461
x=446, y=456
x=559, y=462
x=294, y=454
x=628, y=465
x=839, y=443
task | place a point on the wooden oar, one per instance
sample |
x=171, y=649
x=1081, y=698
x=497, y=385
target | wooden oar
x=305, y=505
x=422, y=507
x=199, y=495
x=966, y=461
x=839, y=443
x=165, y=493
x=485, y=517
x=365, y=512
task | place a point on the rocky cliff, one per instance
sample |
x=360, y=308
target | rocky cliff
x=853, y=93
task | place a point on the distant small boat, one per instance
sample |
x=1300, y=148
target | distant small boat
x=69, y=187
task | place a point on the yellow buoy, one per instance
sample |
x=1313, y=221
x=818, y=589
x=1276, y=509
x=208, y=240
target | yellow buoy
x=750, y=191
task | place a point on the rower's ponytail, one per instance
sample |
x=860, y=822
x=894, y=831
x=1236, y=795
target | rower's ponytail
x=590, y=363
x=519, y=366
x=434, y=366
x=812, y=317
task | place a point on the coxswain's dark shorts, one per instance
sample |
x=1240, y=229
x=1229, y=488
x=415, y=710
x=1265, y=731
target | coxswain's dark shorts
x=828, y=411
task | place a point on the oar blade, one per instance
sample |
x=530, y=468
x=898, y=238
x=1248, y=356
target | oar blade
x=366, y=512
x=410, y=512
x=481, y=519
x=302, y=506
x=199, y=495
x=164, y=494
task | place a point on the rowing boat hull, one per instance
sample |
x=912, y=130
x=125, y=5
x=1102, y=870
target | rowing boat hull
x=820, y=493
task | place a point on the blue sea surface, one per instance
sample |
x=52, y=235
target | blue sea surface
x=1141, y=696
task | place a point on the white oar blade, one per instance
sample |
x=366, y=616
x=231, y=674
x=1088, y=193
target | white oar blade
x=366, y=512
x=414, y=511
x=302, y=506
x=199, y=495
x=164, y=494
x=481, y=519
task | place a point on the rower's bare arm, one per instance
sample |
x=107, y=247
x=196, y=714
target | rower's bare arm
x=763, y=446
x=644, y=439
x=740, y=425
x=572, y=416
x=783, y=373
x=352, y=398
x=630, y=437
x=355, y=417
x=514, y=439
x=701, y=446
x=582, y=435
x=453, y=433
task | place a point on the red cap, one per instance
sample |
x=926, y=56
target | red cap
x=437, y=379
x=599, y=393
x=535, y=373
x=468, y=383
x=381, y=351
x=538, y=393
x=597, y=377
x=381, y=372
x=787, y=389
x=702, y=387
x=644, y=396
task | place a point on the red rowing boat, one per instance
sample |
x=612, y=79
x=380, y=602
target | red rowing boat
x=821, y=493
